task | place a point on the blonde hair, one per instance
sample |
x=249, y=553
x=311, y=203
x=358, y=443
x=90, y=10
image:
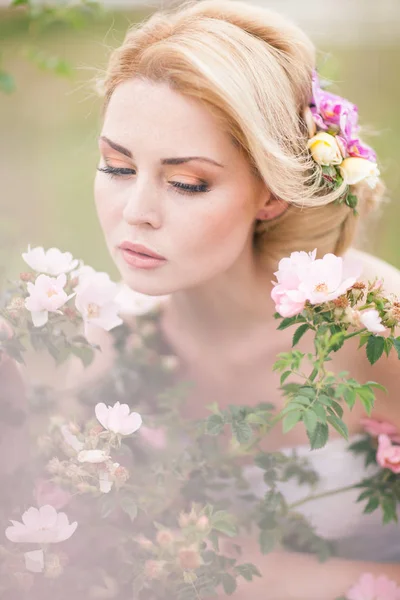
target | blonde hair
x=253, y=69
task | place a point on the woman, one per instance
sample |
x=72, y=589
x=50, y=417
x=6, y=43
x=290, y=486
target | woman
x=202, y=169
x=204, y=184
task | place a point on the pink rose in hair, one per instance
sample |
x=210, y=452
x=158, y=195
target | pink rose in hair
x=334, y=110
x=369, y=587
x=361, y=150
x=47, y=492
x=388, y=455
x=375, y=428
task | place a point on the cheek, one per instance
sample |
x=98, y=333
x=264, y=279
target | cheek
x=217, y=232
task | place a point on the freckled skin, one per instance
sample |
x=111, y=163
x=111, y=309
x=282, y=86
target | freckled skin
x=202, y=235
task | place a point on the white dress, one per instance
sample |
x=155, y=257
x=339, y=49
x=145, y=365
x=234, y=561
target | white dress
x=338, y=517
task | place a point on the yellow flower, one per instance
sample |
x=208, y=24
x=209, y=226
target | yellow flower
x=325, y=149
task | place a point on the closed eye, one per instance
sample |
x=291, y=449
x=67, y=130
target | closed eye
x=186, y=187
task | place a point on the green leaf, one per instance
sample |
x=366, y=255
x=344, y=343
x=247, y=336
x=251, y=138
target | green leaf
x=378, y=386
x=337, y=408
x=339, y=425
x=396, y=344
x=319, y=436
x=214, y=539
x=388, y=345
x=284, y=376
x=215, y=424
x=367, y=398
x=290, y=420
x=372, y=505
x=310, y=421
x=247, y=571
x=129, y=507
x=288, y=322
x=350, y=397
x=7, y=84
x=336, y=341
x=298, y=334
x=224, y=522
x=242, y=431
x=389, y=509
x=85, y=353
x=20, y=3
x=267, y=540
x=375, y=348
x=228, y=583
x=319, y=410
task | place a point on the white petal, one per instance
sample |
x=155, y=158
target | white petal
x=31, y=518
x=48, y=516
x=131, y=424
x=101, y=412
x=34, y=561
x=105, y=484
x=66, y=532
x=16, y=532
x=40, y=318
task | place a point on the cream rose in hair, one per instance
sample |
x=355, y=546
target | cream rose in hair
x=354, y=170
x=324, y=149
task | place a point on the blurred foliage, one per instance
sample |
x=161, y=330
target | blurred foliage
x=49, y=125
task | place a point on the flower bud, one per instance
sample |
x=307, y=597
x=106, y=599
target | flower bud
x=144, y=542
x=27, y=276
x=121, y=474
x=55, y=466
x=53, y=567
x=189, y=558
x=153, y=569
x=165, y=537
x=203, y=523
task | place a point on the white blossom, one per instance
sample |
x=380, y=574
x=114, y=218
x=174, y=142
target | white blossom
x=42, y=525
x=118, y=418
x=50, y=262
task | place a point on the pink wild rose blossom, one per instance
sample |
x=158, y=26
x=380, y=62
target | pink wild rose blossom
x=47, y=492
x=369, y=587
x=388, y=455
x=376, y=427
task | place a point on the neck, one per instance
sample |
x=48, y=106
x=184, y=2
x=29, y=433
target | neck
x=230, y=305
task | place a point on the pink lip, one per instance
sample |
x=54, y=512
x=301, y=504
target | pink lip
x=140, y=256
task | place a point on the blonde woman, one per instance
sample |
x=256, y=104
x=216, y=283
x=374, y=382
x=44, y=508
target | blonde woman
x=206, y=179
x=203, y=185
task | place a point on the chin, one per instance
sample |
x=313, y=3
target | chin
x=147, y=283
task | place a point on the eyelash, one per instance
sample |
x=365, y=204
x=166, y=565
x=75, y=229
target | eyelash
x=187, y=188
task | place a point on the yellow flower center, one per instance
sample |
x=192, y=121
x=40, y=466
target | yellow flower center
x=93, y=311
x=51, y=292
x=321, y=287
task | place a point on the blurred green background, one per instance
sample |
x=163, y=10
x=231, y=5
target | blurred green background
x=49, y=126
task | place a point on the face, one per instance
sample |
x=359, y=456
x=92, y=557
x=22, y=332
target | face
x=197, y=213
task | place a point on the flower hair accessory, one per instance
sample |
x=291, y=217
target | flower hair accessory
x=334, y=142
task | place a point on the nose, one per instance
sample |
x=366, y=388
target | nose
x=143, y=205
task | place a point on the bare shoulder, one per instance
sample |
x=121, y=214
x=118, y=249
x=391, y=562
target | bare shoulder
x=374, y=267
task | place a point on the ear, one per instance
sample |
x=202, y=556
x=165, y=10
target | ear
x=273, y=208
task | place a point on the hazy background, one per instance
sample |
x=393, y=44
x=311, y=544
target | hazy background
x=49, y=124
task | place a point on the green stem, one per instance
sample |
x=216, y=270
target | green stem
x=347, y=337
x=321, y=495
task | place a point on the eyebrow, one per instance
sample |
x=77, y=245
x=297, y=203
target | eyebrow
x=164, y=161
